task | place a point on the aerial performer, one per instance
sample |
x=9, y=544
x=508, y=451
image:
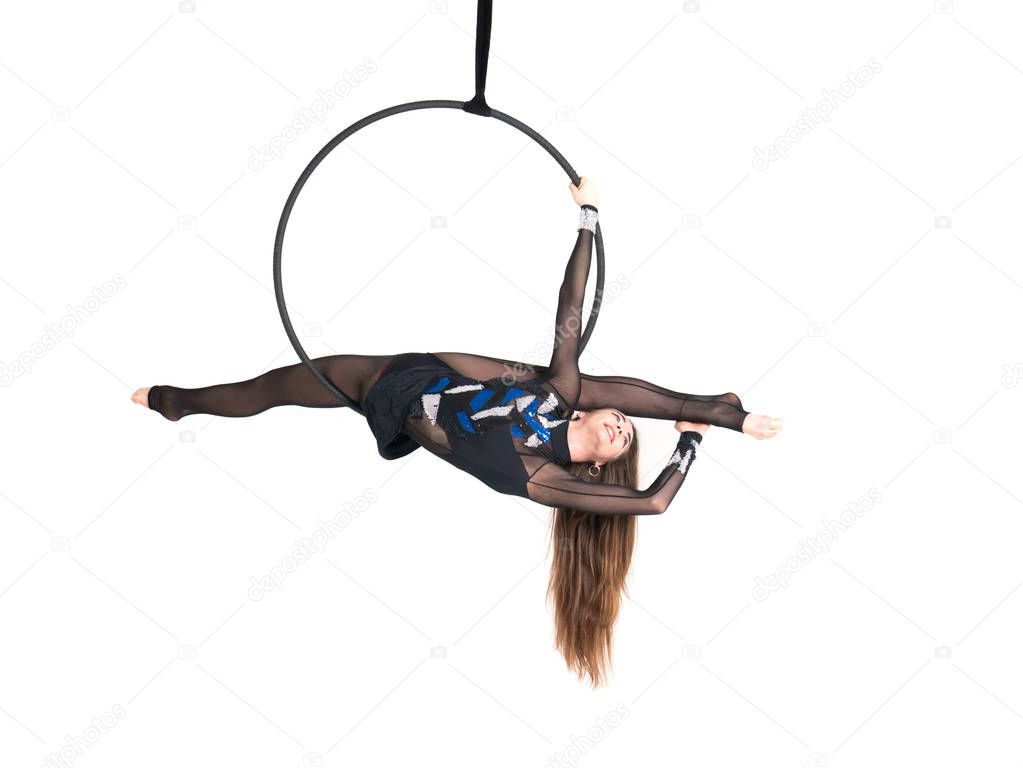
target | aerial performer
x=551, y=434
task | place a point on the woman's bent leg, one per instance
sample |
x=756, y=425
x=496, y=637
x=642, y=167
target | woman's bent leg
x=290, y=385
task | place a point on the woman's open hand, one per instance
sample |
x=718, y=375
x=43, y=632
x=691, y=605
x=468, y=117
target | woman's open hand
x=689, y=426
x=585, y=193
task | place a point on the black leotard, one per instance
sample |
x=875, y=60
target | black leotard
x=504, y=422
x=509, y=432
x=507, y=426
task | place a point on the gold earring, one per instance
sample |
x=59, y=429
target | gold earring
x=592, y=473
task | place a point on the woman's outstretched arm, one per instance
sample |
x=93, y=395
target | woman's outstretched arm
x=563, y=372
x=637, y=397
x=555, y=486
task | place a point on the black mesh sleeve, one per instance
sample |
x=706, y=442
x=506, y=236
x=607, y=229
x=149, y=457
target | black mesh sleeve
x=554, y=486
x=563, y=373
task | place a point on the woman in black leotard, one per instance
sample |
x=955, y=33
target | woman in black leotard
x=550, y=434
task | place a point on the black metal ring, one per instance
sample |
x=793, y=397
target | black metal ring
x=368, y=120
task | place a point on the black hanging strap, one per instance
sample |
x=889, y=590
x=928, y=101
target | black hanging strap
x=484, y=15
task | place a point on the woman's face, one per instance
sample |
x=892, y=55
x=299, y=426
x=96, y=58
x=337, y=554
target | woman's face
x=610, y=431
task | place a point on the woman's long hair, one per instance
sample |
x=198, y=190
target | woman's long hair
x=592, y=554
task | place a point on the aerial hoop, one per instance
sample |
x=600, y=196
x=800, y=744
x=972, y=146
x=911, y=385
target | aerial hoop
x=478, y=106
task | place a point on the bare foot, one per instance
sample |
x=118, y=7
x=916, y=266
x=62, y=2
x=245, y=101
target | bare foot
x=141, y=396
x=761, y=426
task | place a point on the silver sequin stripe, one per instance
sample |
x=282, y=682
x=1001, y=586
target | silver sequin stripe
x=588, y=219
x=683, y=459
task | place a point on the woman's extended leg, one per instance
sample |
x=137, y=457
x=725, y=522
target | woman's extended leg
x=631, y=395
x=638, y=397
x=290, y=385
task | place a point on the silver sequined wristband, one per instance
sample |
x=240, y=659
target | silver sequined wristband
x=588, y=218
x=685, y=450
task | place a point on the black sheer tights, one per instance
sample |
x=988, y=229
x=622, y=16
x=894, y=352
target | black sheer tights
x=290, y=385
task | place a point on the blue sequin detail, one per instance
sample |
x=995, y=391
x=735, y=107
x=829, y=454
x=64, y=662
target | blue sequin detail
x=528, y=423
x=477, y=402
x=529, y=416
x=539, y=428
x=512, y=394
x=439, y=385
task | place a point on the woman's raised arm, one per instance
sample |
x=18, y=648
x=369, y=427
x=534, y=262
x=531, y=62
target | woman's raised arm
x=568, y=327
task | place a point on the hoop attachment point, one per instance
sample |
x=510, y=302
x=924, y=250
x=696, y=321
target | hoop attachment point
x=478, y=106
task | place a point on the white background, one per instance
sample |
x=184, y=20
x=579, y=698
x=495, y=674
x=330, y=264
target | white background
x=824, y=288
